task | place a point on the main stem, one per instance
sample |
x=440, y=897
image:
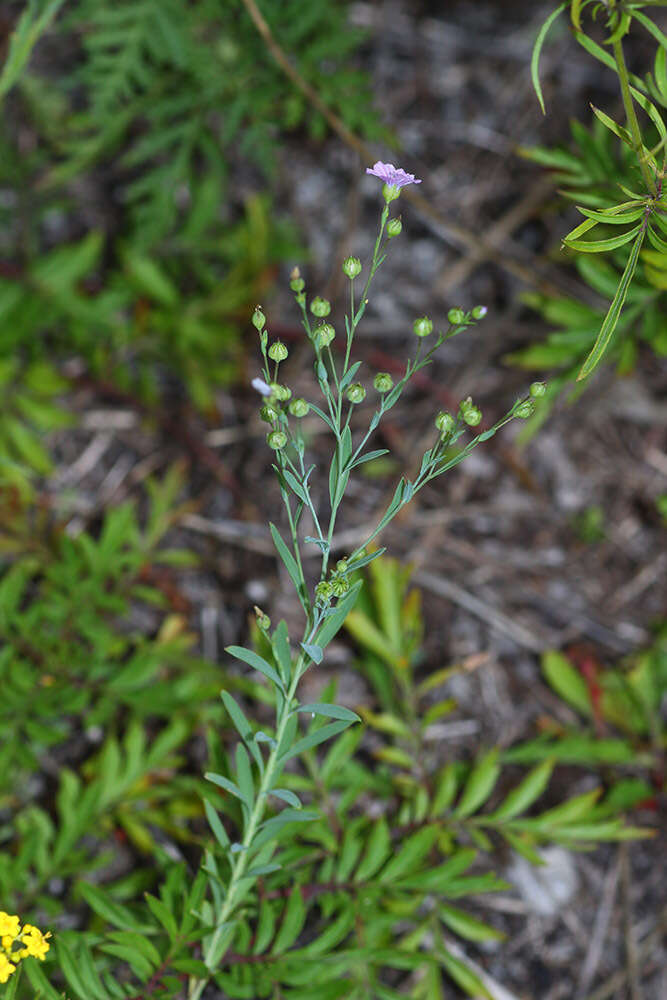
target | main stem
x=197, y=986
x=631, y=115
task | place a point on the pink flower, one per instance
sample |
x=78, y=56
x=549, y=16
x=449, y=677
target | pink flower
x=393, y=176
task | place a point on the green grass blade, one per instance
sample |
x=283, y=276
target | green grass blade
x=537, y=51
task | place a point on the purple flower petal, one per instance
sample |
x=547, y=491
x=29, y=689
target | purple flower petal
x=389, y=174
x=261, y=386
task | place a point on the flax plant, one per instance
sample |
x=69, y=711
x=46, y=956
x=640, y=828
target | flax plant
x=326, y=601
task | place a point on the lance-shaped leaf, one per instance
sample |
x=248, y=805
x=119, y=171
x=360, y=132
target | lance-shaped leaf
x=331, y=711
x=612, y=317
x=255, y=660
x=537, y=51
x=479, y=785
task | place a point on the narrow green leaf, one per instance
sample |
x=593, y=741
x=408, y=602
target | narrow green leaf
x=612, y=317
x=331, y=711
x=333, y=623
x=244, y=776
x=463, y=976
x=566, y=681
x=314, y=739
x=479, y=785
x=288, y=559
x=523, y=796
x=410, y=854
x=601, y=246
x=222, y=782
x=537, y=51
x=215, y=823
x=257, y=662
x=282, y=652
x=466, y=926
x=313, y=651
x=285, y=795
x=238, y=718
x=378, y=850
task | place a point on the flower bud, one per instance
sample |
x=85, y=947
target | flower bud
x=383, y=382
x=352, y=267
x=445, y=423
x=525, y=409
x=280, y=392
x=479, y=312
x=341, y=566
x=340, y=586
x=323, y=592
x=538, y=389
x=324, y=334
x=278, y=351
x=356, y=393
x=422, y=327
x=456, y=317
x=258, y=319
x=394, y=228
x=268, y=414
x=390, y=192
x=320, y=307
x=276, y=440
x=263, y=619
x=297, y=283
x=299, y=407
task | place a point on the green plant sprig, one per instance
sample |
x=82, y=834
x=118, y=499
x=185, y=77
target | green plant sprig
x=328, y=603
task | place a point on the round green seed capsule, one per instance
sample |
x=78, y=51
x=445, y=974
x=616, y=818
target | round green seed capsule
x=356, y=393
x=299, y=407
x=445, y=423
x=258, y=319
x=324, y=334
x=524, y=409
x=422, y=327
x=394, y=228
x=268, y=414
x=280, y=392
x=352, y=267
x=538, y=389
x=383, y=382
x=340, y=586
x=276, y=440
x=278, y=351
x=320, y=307
x=456, y=316
x=323, y=591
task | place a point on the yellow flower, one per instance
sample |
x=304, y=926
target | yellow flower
x=9, y=926
x=34, y=943
x=6, y=968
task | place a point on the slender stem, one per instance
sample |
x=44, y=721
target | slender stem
x=197, y=986
x=631, y=115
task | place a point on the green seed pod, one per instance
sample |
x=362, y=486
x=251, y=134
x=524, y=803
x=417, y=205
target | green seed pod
x=340, y=586
x=383, y=382
x=538, y=389
x=268, y=414
x=280, y=392
x=390, y=192
x=445, y=423
x=470, y=413
x=394, y=228
x=341, y=566
x=297, y=284
x=422, y=327
x=276, y=440
x=278, y=351
x=299, y=407
x=324, y=334
x=323, y=592
x=352, y=267
x=258, y=319
x=356, y=393
x=320, y=307
x=524, y=409
x=479, y=312
x=456, y=316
